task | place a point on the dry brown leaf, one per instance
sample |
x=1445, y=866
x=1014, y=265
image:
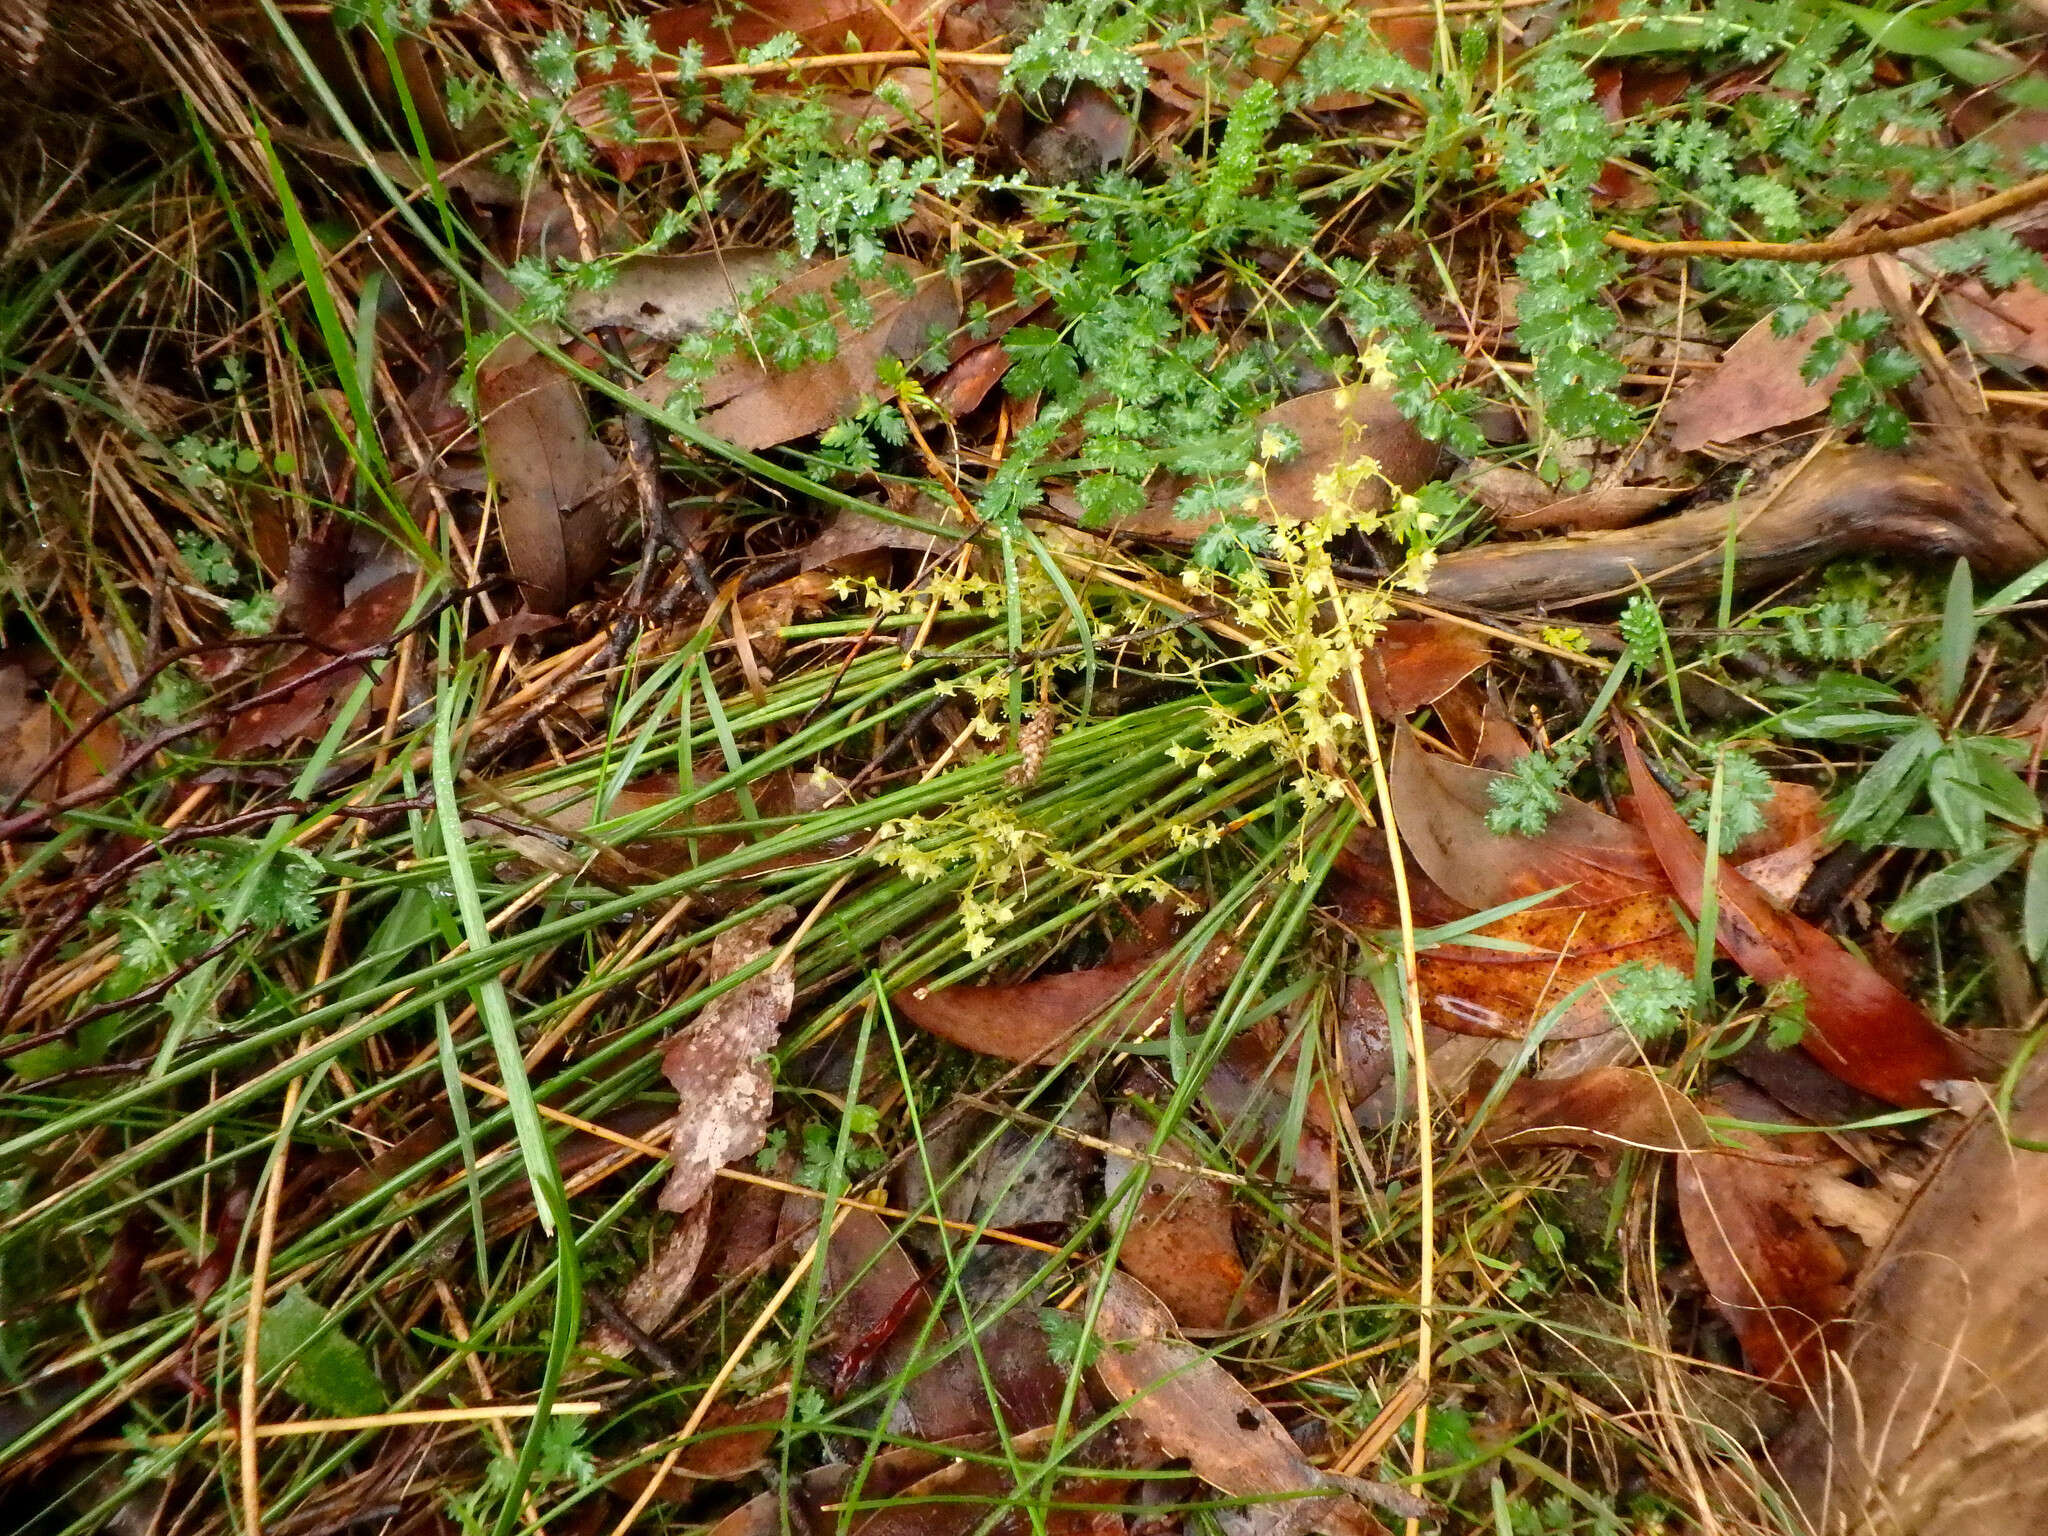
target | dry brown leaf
x=31, y=729
x=549, y=467
x=668, y=297
x=1759, y=384
x=1182, y=1240
x=656, y=1293
x=716, y=1064
x=371, y=618
x=1937, y=1406
x=1414, y=662
x=1037, y=1020
x=1860, y=1027
x=1773, y=1273
x=1524, y=503
x=760, y=406
x=2012, y=324
x=1605, y=1110
x=1196, y=1409
x=1251, y=1091
x=1440, y=807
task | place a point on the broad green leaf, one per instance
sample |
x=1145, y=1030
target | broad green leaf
x=2004, y=793
x=1950, y=786
x=1958, y=635
x=1947, y=886
x=329, y=1372
x=1889, y=787
x=2034, y=907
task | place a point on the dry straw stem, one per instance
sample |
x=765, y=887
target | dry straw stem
x=1874, y=242
x=300, y=1427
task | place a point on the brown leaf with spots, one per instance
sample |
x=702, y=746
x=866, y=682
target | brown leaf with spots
x=1196, y=1409
x=1182, y=1239
x=1860, y=1027
x=1475, y=990
x=1440, y=807
x=715, y=1065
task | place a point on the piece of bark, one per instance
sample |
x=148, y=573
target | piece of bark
x=1849, y=501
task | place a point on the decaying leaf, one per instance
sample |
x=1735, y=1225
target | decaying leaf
x=966, y=1498
x=1037, y=1020
x=1182, y=1240
x=668, y=297
x=369, y=620
x=549, y=467
x=715, y=1065
x=1777, y=1277
x=1196, y=1409
x=1860, y=1026
x=1440, y=807
x=1759, y=384
x=759, y=405
x=1251, y=1090
x=1524, y=503
x=1934, y=1411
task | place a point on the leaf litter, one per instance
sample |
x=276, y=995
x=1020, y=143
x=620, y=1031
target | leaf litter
x=1228, y=501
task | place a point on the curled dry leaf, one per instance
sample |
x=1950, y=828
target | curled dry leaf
x=732, y=1441
x=1182, y=1240
x=1934, y=1410
x=978, y=1498
x=1196, y=1409
x=1440, y=807
x=1759, y=384
x=1777, y=1277
x=715, y=1065
x=549, y=467
x=1860, y=1027
x=1037, y=1020
x=369, y=620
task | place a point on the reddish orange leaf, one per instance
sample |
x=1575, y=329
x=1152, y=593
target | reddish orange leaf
x=1773, y=1273
x=371, y=618
x=1417, y=661
x=1035, y=1020
x=1861, y=1027
x=1182, y=1240
x=1480, y=991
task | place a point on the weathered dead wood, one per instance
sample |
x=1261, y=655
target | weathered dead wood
x=1850, y=501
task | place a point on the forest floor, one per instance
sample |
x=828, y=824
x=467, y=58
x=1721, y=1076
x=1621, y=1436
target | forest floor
x=916, y=767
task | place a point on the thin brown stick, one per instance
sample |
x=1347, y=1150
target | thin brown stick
x=1841, y=247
